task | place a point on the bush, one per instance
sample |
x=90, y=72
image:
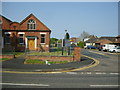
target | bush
x=81, y=44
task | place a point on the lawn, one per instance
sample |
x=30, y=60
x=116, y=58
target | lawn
x=17, y=54
x=4, y=59
x=57, y=53
x=36, y=61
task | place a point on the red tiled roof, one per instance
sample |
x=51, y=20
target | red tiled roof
x=104, y=41
x=118, y=36
x=5, y=18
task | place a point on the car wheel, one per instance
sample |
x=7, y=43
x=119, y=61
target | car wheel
x=113, y=51
x=99, y=49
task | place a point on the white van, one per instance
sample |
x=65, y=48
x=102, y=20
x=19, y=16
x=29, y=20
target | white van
x=107, y=47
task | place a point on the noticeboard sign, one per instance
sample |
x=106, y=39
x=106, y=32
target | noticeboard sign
x=67, y=43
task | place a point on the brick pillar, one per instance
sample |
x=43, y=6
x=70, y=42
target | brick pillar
x=77, y=54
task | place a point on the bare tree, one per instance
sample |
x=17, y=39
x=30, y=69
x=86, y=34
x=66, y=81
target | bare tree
x=84, y=35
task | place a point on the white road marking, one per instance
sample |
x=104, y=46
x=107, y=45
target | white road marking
x=89, y=73
x=38, y=70
x=24, y=84
x=100, y=73
x=114, y=73
x=71, y=72
x=103, y=73
x=104, y=85
x=82, y=73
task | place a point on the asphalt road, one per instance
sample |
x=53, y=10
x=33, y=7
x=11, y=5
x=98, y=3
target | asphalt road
x=104, y=75
x=108, y=61
x=62, y=80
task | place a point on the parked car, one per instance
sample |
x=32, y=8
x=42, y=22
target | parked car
x=90, y=47
x=107, y=47
x=100, y=47
x=116, y=49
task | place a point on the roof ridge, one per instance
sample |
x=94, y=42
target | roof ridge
x=5, y=18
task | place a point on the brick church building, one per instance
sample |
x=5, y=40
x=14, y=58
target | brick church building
x=29, y=34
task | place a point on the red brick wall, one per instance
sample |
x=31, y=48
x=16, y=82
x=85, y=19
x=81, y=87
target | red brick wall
x=5, y=23
x=15, y=26
x=77, y=54
x=51, y=58
x=7, y=56
x=39, y=25
x=75, y=57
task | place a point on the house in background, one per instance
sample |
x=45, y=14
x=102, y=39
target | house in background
x=105, y=40
x=117, y=40
x=29, y=34
x=91, y=40
x=74, y=40
x=102, y=42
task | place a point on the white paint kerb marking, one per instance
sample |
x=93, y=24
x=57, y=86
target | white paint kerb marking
x=24, y=84
x=104, y=85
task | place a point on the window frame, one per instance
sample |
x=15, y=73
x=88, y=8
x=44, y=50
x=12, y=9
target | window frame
x=6, y=37
x=31, y=25
x=42, y=38
x=21, y=37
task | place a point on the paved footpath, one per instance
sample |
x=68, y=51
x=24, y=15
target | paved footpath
x=16, y=64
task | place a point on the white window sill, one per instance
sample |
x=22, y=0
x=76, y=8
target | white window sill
x=42, y=43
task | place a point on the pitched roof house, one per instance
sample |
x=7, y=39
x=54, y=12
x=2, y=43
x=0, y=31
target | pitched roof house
x=117, y=41
x=112, y=39
x=29, y=34
x=105, y=40
x=91, y=40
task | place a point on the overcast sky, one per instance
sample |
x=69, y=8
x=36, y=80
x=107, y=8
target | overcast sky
x=96, y=18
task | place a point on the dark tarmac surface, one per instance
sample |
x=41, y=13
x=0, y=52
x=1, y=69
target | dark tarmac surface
x=17, y=64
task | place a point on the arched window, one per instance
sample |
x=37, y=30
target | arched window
x=31, y=24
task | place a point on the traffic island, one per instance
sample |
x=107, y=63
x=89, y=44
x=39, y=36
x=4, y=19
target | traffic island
x=75, y=57
x=17, y=66
x=54, y=68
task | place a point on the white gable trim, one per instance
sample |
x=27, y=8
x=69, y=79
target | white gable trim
x=43, y=33
x=7, y=32
x=21, y=32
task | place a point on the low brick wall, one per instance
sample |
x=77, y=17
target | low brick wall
x=51, y=58
x=7, y=56
x=75, y=57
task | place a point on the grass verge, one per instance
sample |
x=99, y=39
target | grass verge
x=36, y=61
x=4, y=59
x=17, y=54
